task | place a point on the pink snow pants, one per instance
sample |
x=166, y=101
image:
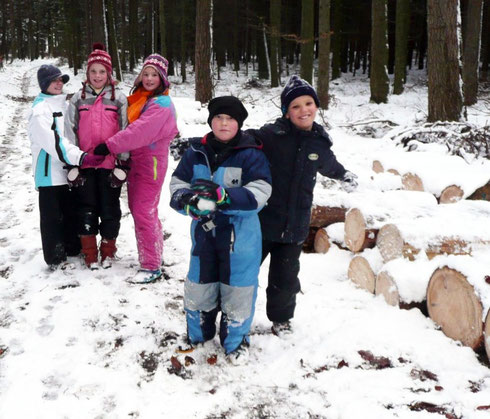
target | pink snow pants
x=145, y=182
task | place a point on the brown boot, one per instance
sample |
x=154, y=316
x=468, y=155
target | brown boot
x=89, y=250
x=108, y=251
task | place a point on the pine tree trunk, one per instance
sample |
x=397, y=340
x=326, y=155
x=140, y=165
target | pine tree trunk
x=111, y=31
x=204, y=87
x=336, y=37
x=183, y=43
x=402, y=30
x=445, y=99
x=471, y=49
x=324, y=52
x=261, y=52
x=163, y=27
x=98, y=22
x=133, y=33
x=307, y=40
x=379, y=53
x=485, y=42
x=275, y=17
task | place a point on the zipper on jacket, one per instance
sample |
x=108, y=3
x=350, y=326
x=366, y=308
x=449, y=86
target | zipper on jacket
x=46, y=165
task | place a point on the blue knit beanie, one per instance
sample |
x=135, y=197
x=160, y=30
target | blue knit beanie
x=294, y=88
x=47, y=73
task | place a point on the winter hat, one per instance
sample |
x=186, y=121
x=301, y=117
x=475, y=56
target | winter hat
x=229, y=105
x=160, y=64
x=99, y=55
x=47, y=73
x=294, y=88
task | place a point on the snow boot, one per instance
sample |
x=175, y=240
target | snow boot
x=282, y=329
x=89, y=250
x=146, y=276
x=240, y=355
x=108, y=251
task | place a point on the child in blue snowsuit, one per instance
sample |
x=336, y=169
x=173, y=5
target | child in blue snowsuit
x=222, y=182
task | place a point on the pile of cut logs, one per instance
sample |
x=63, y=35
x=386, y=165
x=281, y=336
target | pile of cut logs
x=437, y=273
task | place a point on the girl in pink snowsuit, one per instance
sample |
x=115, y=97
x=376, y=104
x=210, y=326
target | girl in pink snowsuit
x=152, y=126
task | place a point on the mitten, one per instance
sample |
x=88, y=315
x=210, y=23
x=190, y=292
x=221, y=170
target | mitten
x=211, y=191
x=91, y=160
x=101, y=150
x=74, y=177
x=348, y=182
x=195, y=206
x=118, y=175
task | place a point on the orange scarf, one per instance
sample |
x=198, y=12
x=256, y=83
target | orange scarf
x=136, y=103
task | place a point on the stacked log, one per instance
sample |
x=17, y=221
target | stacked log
x=321, y=217
x=457, y=300
x=358, y=234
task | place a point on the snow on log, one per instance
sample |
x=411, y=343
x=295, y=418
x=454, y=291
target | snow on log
x=361, y=273
x=322, y=216
x=403, y=283
x=458, y=295
x=321, y=243
x=358, y=236
x=451, y=194
x=412, y=182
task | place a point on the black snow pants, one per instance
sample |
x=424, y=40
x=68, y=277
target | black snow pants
x=283, y=279
x=99, y=209
x=58, y=223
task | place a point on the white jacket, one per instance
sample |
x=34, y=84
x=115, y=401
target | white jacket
x=51, y=151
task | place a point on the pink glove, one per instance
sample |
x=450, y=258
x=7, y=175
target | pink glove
x=92, y=160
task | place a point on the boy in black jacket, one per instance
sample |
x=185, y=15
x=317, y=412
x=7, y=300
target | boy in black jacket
x=297, y=148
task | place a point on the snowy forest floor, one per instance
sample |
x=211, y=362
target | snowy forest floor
x=86, y=344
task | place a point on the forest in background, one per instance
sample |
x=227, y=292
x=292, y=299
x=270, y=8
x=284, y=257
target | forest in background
x=323, y=38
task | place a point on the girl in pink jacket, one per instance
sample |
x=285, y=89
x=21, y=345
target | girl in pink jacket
x=152, y=126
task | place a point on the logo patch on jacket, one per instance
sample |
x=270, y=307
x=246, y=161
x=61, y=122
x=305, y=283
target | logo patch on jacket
x=313, y=156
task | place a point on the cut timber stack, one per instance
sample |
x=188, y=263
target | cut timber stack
x=358, y=235
x=321, y=217
x=457, y=300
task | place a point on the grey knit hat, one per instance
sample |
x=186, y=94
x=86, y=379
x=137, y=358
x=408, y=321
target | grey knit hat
x=47, y=73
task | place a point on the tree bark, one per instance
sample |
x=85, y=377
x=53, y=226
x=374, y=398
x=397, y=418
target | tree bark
x=322, y=216
x=379, y=81
x=98, y=22
x=204, y=87
x=323, y=52
x=163, y=27
x=401, y=35
x=112, y=47
x=444, y=91
x=275, y=18
x=471, y=51
x=307, y=40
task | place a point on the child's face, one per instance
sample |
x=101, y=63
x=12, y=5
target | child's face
x=55, y=87
x=224, y=127
x=302, y=112
x=151, y=79
x=97, y=76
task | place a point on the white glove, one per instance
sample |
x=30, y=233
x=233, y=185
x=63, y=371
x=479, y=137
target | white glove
x=349, y=182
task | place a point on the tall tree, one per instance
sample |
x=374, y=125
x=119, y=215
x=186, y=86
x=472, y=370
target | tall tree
x=133, y=33
x=401, y=44
x=485, y=42
x=183, y=43
x=112, y=38
x=337, y=19
x=163, y=27
x=307, y=39
x=97, y=21
x=379, y=81
x=275, y=17
x=471, y=50
x=445, y=98
x=323, y=52
x=204, y=87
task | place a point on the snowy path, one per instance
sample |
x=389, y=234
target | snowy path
x=88, y=345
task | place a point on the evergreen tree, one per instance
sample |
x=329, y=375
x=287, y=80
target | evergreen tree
x=471, y=49
x=402, y=27
x=307, y=40
x=324, y=52
x=204, y=87
x=379, y=82
x=275, y=30
x=445, y=98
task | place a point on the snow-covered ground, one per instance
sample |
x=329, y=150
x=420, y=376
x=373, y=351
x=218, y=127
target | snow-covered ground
x=86, y=344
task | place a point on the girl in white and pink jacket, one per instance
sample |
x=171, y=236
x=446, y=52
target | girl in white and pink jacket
x=96, y=112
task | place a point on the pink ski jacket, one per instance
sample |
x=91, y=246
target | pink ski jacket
x=151, y=133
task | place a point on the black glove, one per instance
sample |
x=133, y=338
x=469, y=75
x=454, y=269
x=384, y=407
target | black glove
x=349, y=182
x=118, y=175
x=207, y=189
x=101, y=150
x=74, y=177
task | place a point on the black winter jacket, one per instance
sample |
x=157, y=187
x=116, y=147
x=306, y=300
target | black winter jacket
x=295, y=157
